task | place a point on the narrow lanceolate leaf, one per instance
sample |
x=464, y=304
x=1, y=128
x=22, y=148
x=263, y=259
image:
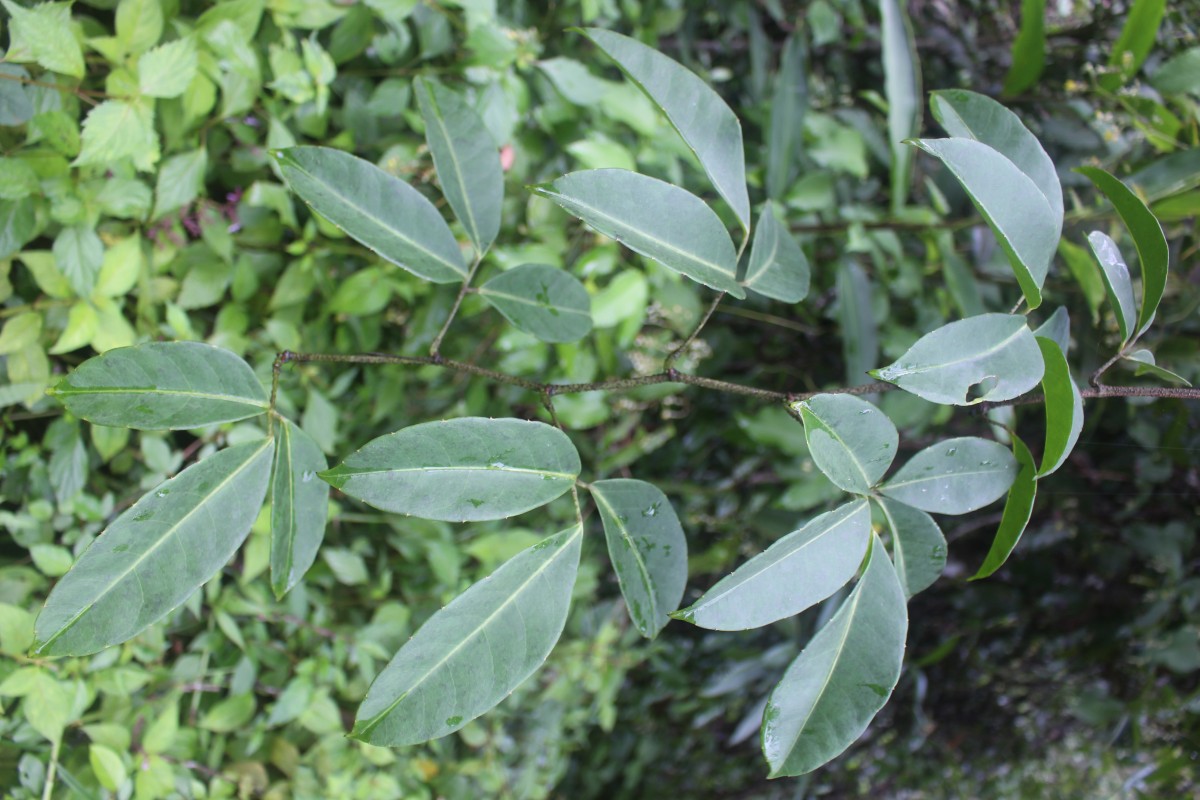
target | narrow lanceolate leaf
x=163, y=385
x=989, y=357
x=918, y=545
x=299, y=504
x=1148, y=238
x=703, y=119
x=1017, y=511
x=954, y=477
x=647, y=548
x=970, y=115
x=798, y=571
x=1117, y=282
x=850, y=440
x=654, y=218
x=472, y=654
x=902, y=85
x=1029, y=48
x=837, y=685
x=1064, y=407
x=461, y=469
x=777, y=268
x=379, y=210
x=789, y=101
x=467, y=161
x=1012, y=204
x=153, y=556
x=1135, y=42
x=1144, y=363
x=541, y=300
x=860, y=330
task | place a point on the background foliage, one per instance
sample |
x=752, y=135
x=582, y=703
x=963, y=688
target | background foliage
x=139, y=202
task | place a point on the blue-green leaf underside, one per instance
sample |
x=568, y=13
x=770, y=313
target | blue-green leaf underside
x=918, y=545
x=956, y=476
x=299, y=506
x=1117, y=282
x=849, y=439
x=777, y=267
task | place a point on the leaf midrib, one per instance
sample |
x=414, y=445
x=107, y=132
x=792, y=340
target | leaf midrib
x=484, y=290
x=940, y=476
x=354, y=471
x=637, y=554
x=838, y=438
x=965, y=359
x=471, y=223
x=71, y=391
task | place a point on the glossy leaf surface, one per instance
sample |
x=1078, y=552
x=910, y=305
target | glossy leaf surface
x=379, y=210
x=647, y=547
x=845, y=674
x=299, y=505
x=1064, y=407
x=777, y=267
x=461, y=469
x=1017, y=511
x=798, y=571
x=954, y=477
x=654, y=218
x=849, y=439
x=989, y=357
x=541, y=300
x=159, y=551
x=1117, y=282
x=163, y=386
x=918, y=545
x=471, y=655
x=703, y=119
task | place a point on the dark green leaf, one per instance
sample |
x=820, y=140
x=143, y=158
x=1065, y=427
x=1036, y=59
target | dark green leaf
x=789, y=101
x=647, y=548
x=777, y=268
x=1017, y=510
x=159, y=551
x=299, y=504
x=163, y=385
x=379, y=210
x=860, y=333
x=902, y=86
x=654, y=218
x=954, y=477
x=918, y=545
x=1029, y=48
x=461, y=469
x=799, y=570
x=703, y=119
x=1064, y=407
x=467, y=161
x=850, y=440
x=845, y=674
x=541, y=300
x=471, y=655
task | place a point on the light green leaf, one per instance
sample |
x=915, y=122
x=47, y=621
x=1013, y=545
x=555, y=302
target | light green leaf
x=1179, y=74
x=159, y=551
x=467, y=161
x=79, y=254
x=20, y=331
x=799, y=570
x=954, y=477
x=1017, y=511
x=918, y=545
x=180, y=181
x=1064, y=407
x=647, y=548
x=1083, y=270
x=1134, y=43
x=472, y=654
x=777, y=267
x=44, y=34
x=118, y=129
x=789, y=101
x=654, y=218
x=229, y=715
x=1117, y=282
x=902, y=86
x=702, y=118
x=167, y=70
x=541, y=300
x=163, y=385
x=107, y=766
x=1148, y=238
x=139, y=24
x=299, y=504
x=461, y=469
x=1028, y=50
x=1012, y=204
x=16, y=630
x=47, y=705
x=18, y=224
x=850, y=440
x=121, y=268
x=845, y=674
x=17, y=179
x=989, y=357
x=1145, y=364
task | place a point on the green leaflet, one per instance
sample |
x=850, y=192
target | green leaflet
x=799, y=570
x=159, y=551
x=1029, y=49
x=163, y=386
x=902, y=85
x=1148, y=238
x=849, y=439
x=860, y=333
x=918, y=545
x=647, y=548
x=1144, y=363
x=467, y=161
x=654, y=218
x=461, y=469
x=379, y=210
x=954, y=477
x=471, y=655
x=1134, y=44
x=1013, y=205
x=989, y=357
x=299, y=505
x=541, y=300
x=1017, y=510
x=789, y=101
x=1064, y=407
x=845, y=674
x=702, y=118
x=1117, y=283
x=777, y=267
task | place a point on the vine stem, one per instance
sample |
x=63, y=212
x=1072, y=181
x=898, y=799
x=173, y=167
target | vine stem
x=48, y=789
x=435, y=348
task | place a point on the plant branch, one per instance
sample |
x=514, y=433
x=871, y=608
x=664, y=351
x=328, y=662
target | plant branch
x=86, y=95
x=435, y=348
x=674, y=354
x=1095, y=379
